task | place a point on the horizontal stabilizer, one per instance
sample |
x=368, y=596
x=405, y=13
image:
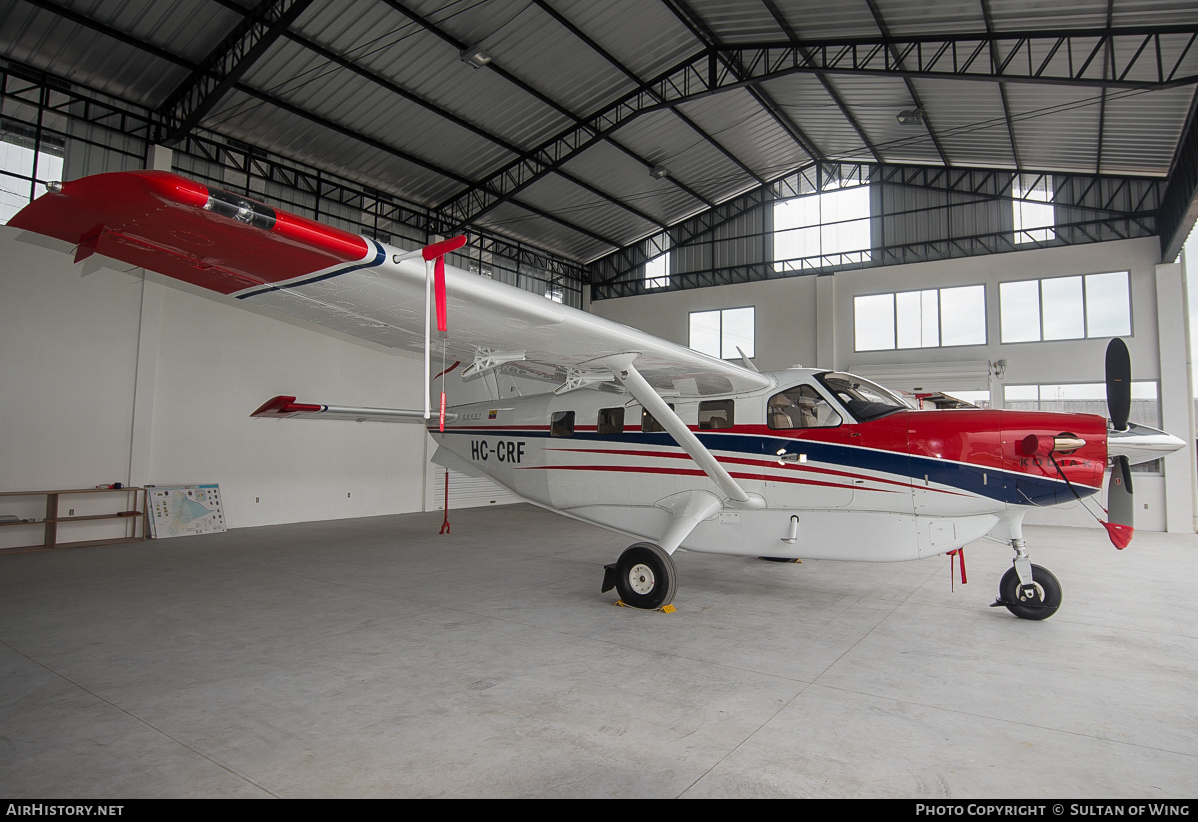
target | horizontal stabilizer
x=286, y=407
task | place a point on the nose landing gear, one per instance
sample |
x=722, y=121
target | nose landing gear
x=1028, y=591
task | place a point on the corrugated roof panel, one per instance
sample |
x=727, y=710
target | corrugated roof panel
x=876, y=102
x=512, y=221
x=740, y=124
x=1022, y=15
x=607, y=168
x=918, y=17
x=813, y=110
x=1129, y=148
x=564, y=199
x=252, y=121
x=969, y=120
x=51, y=43
x=1155, y=12
x=1056, y=126
x=664, y=139
x=737, y=22
x=304, y=79
x=645, y=37
x=389, y=44
x=846, y=18
x=543, y=52
x=190, y=28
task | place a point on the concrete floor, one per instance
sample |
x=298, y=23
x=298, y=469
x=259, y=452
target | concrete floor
x=374, y=658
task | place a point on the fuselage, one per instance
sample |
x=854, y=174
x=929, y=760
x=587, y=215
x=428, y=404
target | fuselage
x=917, y=483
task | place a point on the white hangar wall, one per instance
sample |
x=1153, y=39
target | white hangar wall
x=809, y=320
x=107, y=375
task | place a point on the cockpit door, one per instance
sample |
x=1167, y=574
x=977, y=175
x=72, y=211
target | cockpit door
x=809, y=473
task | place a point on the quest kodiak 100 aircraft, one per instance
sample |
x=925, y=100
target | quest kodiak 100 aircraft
x=643, y=436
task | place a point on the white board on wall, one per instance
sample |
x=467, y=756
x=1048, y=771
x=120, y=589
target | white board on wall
x=184, y=510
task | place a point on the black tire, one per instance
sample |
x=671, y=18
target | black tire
x=650, y=569
x=1043, y=605
x=779, y=559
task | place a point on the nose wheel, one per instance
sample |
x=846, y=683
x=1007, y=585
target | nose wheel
x=644, y=576
x=1039, y=600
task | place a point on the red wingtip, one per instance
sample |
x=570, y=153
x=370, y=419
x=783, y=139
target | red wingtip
x=284, y=407
x=1120, y=534
x=432, y=252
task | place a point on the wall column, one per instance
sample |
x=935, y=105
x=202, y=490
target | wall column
x=1175, y=400
x=825, y=322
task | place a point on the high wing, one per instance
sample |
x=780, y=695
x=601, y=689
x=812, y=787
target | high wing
x=230, y=244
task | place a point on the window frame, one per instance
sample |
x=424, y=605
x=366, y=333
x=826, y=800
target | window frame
x=720, y=311
x=826, y=259
x=616, y=428
x=939, y=318
x=1131, y=314
x=563, y=419
x=647, y=419
x=717, y=405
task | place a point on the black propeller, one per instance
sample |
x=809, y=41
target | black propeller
x=1120, y=504
x=1118, y=383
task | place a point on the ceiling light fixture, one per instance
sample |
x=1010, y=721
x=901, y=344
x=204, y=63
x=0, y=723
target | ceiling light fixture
x=911, y=117
x=475, y=57
x=659, y=172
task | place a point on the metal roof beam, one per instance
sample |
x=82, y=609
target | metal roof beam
x=898, y=59
x=431, y=27
x=310, y=116
x=399, y=91
x=631, y=75
x=224, y=66
x=707, y=37
x=995, y=61
x=793, y=36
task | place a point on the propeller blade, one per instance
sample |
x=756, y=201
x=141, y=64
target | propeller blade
x=1118, y=383
x=1121, y=510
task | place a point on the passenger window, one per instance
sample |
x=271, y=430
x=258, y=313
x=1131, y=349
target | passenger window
x=715, y=414
x=611, y=421
x=562, y=424
x=801, y=407
x=650, y=425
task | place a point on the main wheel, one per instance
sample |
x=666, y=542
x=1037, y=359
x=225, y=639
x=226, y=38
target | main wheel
x=646, y=576
x=1041, y=605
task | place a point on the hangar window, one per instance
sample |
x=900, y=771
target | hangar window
x=562, y=424
x=611, y=421
x=715, y=414
x=1033, y=214
x=724, y=333
x=932, y=318
x=26, y=165
x=650, y=425
x=657, y=270
x=820, y=230
x=1065, y=308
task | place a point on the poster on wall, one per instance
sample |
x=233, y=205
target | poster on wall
x=183, y=510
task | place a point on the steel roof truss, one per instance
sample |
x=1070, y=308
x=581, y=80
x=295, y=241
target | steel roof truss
x=224, y=66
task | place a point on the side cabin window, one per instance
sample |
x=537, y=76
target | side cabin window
x=801, y=407
x=650, y=425
x=611, y=421
x=561, y=424
x=715, y=414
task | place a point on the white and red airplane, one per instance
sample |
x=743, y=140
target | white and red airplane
x=640, y=435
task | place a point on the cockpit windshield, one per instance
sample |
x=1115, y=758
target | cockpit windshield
x=865, y=400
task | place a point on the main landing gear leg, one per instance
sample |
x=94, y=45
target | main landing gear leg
x=1028, y=591
x=645, y=576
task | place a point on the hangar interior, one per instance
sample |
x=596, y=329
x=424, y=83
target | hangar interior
x=971, y=197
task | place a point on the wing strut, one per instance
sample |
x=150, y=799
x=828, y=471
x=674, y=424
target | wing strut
x=623, y=370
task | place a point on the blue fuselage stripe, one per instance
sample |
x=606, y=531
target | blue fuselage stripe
x=994, y=483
